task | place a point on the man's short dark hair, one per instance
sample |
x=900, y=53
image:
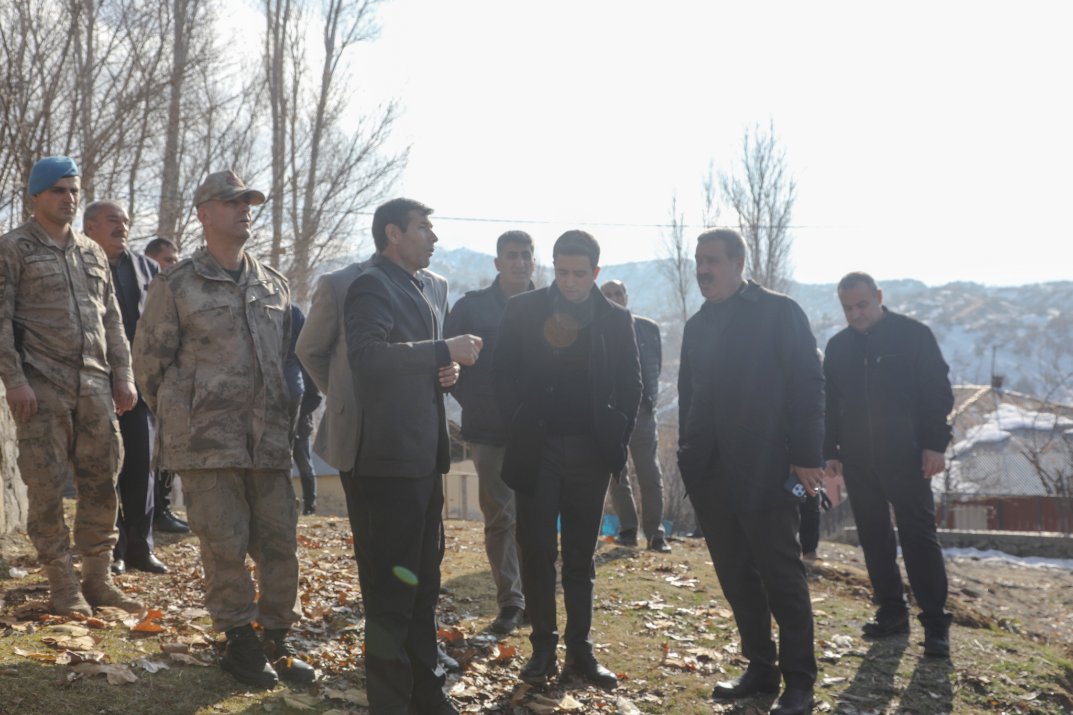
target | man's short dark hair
x=155, y=247
x=851, y=280
x=577, y=243
x=514, y=237
x=397, y=213
x=732, y=241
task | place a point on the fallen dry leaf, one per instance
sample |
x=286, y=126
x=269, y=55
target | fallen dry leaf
x=505, y=652
x=188, y=659
x=148, y=623
x=301, y=701
x=451, y=635
x=116, y=674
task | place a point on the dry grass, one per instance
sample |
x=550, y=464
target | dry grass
x=660, y=622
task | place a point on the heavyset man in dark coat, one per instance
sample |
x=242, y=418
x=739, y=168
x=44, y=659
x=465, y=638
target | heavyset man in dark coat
x=888, y=398
x=751, y=414
x=107, y=223
x=568, y=383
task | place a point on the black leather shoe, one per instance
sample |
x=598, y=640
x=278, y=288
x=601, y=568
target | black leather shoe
x=119, y=566
x=284, y=659
x=658, y=543
x=586, y=668
x=309, y=510
x=751, y=682
x=540, y=668
x=147, y=563
x=884, y=625
x=168, y=523
x=627, y=537
x=244, y=658
x=936, y=635
x=937, y=643
x=794, y=701
x=443, y=707
x=508, y=620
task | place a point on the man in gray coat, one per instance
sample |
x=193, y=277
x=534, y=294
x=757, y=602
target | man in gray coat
x=322, y=351
x=644, y=441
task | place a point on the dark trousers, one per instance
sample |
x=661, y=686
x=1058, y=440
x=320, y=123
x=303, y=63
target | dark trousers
x=758, y=562
x=303, y=429
x=570, y=487
x=136, y=486
x=398, y=544
x=871, y=495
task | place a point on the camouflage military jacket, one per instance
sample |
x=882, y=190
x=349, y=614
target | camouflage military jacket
x=58, y=313
x=208, y=360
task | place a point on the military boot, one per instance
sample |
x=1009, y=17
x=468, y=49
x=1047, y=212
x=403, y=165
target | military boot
x=284, y=659
x=98, y=587
x=245, y=658
x=64, y=593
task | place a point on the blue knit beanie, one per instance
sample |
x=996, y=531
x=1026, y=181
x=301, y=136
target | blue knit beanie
x=49, y=170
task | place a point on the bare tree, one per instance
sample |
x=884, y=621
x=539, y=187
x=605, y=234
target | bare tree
x=35, y=47
x=677, y=264
x=761, y=192
x=324, y=173
x=710, y=196
x=1048, y=448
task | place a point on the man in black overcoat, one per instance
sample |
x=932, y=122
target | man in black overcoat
x=568, y=381
x=751, y=416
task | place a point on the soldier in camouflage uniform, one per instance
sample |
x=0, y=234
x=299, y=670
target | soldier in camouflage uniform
x=208, y=356
x=65, y=362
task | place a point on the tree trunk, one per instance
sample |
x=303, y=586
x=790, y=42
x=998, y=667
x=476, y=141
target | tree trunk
x=12, y=491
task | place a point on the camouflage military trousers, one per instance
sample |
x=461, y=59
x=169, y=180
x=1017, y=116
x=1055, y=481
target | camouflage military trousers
x=235, y=512
x=70, y=433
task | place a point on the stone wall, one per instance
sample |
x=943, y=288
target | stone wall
x=12, y=490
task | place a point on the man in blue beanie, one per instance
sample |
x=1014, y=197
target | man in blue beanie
x=65, y=363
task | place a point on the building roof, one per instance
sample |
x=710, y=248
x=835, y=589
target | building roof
x=1006, y=444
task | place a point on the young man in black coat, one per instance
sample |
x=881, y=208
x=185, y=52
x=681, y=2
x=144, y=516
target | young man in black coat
x=568, y=381
x=751, y=415
x=888, y=398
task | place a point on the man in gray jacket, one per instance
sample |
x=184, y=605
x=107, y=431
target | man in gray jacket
x=644, y=442
x=480, y=312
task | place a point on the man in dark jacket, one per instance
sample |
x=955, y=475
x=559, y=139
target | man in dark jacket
x=644, y=442
x=751, y=416
x=107, y=223
x=568, y=383
x=888, y=398
x=480, y=312
x=400, y=363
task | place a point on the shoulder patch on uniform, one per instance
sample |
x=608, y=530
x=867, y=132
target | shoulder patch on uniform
x=273, y=271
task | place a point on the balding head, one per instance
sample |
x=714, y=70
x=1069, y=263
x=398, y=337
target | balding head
x=615, y=291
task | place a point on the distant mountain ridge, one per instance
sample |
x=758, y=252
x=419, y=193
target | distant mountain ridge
x=1030, y=327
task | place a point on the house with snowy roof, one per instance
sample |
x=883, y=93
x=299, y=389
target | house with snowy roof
x=1010, y=464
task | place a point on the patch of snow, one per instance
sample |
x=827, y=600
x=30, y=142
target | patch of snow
x=993, y=554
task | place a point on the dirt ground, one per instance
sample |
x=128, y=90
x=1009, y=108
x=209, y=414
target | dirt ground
x=1031, y=600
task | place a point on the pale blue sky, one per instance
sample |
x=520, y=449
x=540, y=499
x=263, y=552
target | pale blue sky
x=930, y=140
